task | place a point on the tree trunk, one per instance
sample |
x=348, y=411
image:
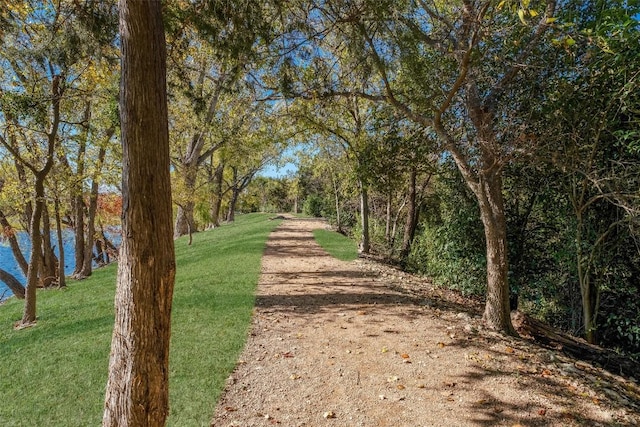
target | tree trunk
x=412, y=218
x=231, y=214
x=49, y=266
x=10, y=234
x=216, y=196
x=235, y=192
x=489, y=195
x=365, y=243
x=87, y=265
x=13, y=284
x=29, y=313
x=185, y=222
x=61, y=276
x=78, y=199
x=137, y=388
x=387, y=225
x=78, y=229
x=336, y=195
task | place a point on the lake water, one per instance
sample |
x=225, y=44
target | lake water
x=8, y=262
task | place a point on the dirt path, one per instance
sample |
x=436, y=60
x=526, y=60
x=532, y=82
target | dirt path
x=360, y=344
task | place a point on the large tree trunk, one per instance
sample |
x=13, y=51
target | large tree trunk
x=137, y=388
x=365, y=242
x=489, y=195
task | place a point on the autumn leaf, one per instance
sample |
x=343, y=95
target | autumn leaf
x=509, y=350
x=441, y=344
x=400, y=387
x=404, y=355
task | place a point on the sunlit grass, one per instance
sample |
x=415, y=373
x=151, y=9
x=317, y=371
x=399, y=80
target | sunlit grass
x=338, y=245
x=54, y=374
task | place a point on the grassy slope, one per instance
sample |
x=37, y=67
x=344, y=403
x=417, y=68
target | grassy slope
x=54, y=374
x=338, y=245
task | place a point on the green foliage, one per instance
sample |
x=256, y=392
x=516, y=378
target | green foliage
x=338, y=245
x=314, y=205
x=55, y=372
x=450, y=243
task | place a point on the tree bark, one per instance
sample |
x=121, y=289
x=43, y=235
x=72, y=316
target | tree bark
x=49, y=266
x=10, y=234
x=216, y=196
x=78, y=228
x=13, y=284
x=497, y=308
x=29, y=313
x=185, y=222
x=78, y=200
x=87, y=265
x=412, y=217
x=137, y=388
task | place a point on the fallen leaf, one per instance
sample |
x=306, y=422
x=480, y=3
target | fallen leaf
x=329, y=414
x=404, y=355
x=295, y=377
x=482, y=402
x=449, y=384
x=287, y=354
x=546, y=373
x=542, y=412
x=230, y=409
x=441, y=344
x=421, y=386
x=400, y=387
x=392, y=379
x=509, y=350
x=384, y=350
x=361, y=313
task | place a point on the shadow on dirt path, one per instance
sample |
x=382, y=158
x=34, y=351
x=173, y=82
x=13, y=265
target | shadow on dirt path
x=360, y=344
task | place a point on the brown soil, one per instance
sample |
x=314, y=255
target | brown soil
x=361, y=344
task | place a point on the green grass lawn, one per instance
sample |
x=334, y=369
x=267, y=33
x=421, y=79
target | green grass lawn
x=338, y=245
x=54, y=374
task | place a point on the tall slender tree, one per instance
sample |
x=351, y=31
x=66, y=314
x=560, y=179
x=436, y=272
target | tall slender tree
x=137, y=388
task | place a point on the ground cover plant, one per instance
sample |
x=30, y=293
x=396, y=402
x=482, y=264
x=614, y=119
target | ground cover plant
x=338, y=245
x=55, y=373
